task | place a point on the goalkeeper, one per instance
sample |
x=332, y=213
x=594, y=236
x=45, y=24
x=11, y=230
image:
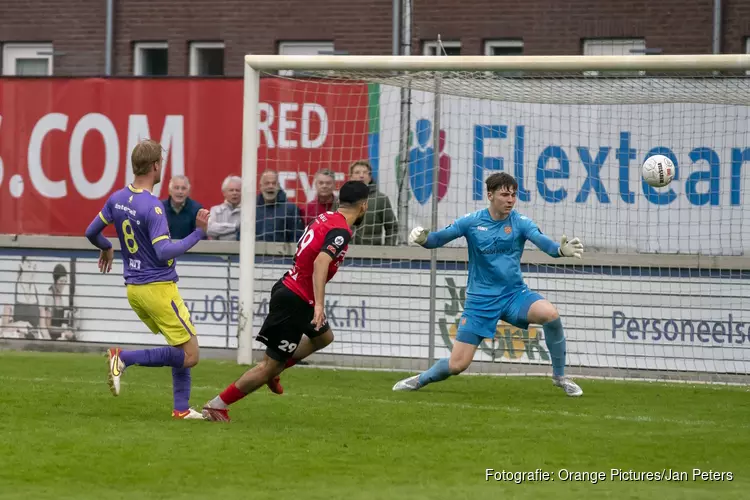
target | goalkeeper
x=496, y=289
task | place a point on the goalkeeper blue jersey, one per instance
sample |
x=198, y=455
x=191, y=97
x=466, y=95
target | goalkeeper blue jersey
x=495, y=249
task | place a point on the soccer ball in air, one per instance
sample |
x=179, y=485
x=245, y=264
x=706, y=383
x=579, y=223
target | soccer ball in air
x=658, y=171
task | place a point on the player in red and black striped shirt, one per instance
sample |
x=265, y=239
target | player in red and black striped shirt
x=296, y=325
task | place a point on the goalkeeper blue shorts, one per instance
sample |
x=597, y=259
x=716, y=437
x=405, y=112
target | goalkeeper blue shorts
x=481, y=315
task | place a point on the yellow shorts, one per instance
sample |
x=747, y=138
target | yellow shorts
x=161, y=308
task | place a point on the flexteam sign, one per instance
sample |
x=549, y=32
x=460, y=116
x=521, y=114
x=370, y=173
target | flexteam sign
x=578, y=167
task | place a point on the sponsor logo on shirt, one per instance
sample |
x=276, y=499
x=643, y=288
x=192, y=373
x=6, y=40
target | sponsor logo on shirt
x=125, y=209
x=498, y=247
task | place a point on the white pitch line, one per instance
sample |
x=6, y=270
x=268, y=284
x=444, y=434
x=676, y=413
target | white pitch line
x=707, y=384
x=515, y=409
x=433, y=404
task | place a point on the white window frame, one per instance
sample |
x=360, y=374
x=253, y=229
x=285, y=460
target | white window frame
x=508, y=43
x=491, y=44
x=195, y=47
x=604, y=42
x=432, y=48
x=314, y=48
x=13, y=51
x=634, y=43
x=138, y=54
x=747, y=50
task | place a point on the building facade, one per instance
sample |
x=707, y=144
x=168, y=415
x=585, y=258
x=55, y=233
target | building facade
x=209, y=37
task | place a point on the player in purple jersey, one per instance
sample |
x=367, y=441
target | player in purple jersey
x=150, y=274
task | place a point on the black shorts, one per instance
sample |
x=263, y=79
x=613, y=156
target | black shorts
x=289, y=317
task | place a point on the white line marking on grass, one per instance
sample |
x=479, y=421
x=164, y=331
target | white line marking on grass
x=712, y=384
x=515, y=409
x=421, y=403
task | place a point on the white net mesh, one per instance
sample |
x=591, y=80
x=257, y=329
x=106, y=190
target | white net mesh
x=662, y=288
x=565, y=88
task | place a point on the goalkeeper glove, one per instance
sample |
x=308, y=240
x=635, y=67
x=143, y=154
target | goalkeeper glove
x=418, y=236
x=572, y=248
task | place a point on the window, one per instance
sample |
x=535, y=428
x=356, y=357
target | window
x=206, y=59
x=150, y=59
x=27, y=59
x=503, y=47
x=614, y=47
x=303, y=49
x=443, y=48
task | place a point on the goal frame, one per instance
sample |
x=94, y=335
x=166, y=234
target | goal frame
x=255, y=64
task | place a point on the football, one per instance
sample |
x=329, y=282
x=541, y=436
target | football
x=658, y=171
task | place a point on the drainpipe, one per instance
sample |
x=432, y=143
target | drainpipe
x=717, y=27
x=108, y=39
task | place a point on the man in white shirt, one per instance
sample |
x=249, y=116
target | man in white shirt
x=224, y=219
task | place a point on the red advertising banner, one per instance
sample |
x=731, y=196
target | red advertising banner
x=65, y=143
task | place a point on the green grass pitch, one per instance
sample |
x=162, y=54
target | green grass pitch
x=338, y=434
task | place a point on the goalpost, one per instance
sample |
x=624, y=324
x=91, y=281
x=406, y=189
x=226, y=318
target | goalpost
x=663, y=289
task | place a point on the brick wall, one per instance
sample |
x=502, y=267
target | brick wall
x=357, y=26
x=558, y=26
x=76, y=31
x=736, y=25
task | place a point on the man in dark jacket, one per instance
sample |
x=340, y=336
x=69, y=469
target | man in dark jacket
x=180, y=209
x=276, y=219
x=380, y=226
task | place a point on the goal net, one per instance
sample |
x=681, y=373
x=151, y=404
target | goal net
x=662, y=290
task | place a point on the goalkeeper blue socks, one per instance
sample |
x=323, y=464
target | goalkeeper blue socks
x=555, y=339
x=437, y=372
x=553, y=336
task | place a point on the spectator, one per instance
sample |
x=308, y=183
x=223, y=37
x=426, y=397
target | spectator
x=379, y=218
x=181, y=210
x=224, y=219
x=22, y=319
x=324, y=200
x=57, y=316
x=275, y=218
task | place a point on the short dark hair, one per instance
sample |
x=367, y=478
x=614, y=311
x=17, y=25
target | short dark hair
x=501, y=180
x=353, y=192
